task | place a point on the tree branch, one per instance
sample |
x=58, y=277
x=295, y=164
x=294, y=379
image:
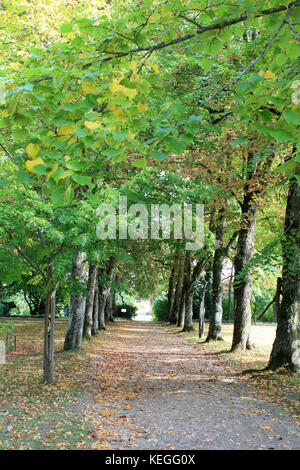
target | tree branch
x=294, y=31
x=229, y=85
x=33, y=265
x=8, y=153
x=201, y=30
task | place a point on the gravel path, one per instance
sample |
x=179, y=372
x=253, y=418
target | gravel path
x=157, y=392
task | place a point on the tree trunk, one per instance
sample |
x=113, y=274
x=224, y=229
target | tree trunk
x=101, y=307
x=181, y=311
x=95, y=326
x=188, y=314
x=229, y=295
x=202, y=310
x=189, y=294
x=49, y=332
x=171, y=290
x=276, y=303
x=207, y=299
x=113, y=306
x=178, y=292
x=73, y=339
x=242, y=281
x=286, y=347
x=215, y=321
x=108, y=307
x=243, y=286
x=104, y=289
x=88, y=319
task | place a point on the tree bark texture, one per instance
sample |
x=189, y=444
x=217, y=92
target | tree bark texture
x=286, y=347
x=73, y=339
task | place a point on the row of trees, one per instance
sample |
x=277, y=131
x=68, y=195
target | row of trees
x=177, y=101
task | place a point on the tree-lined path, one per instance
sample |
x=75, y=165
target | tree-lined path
x=150, y=389
x=149, y=158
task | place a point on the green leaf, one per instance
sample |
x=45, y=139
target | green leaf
x=24, y=177
x=19, y=135
x=277, y=101
x=194, y=119
x=160, y=156
x=4, y=123
x=140, y=163
x=81, y=133
x=239, y=141
x=120, y=136
x=82, y=179
x=58, y=197
x=287, y=168
x=66, y=28
x=291, y=117
x=281, y=59
x=110, y=153
x=215, y=47
x=206, y=64
x=280, y=135
x=175, y=144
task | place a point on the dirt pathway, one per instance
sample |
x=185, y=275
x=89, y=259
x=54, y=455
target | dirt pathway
x=150, y=390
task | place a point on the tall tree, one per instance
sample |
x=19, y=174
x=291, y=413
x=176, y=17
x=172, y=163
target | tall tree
x=286, y=347
x=89, y=308
x=73, y=339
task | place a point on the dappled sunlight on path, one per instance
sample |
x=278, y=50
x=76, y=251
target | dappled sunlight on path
x=152, y=390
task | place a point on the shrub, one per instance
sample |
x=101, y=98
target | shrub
x=160, y=309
